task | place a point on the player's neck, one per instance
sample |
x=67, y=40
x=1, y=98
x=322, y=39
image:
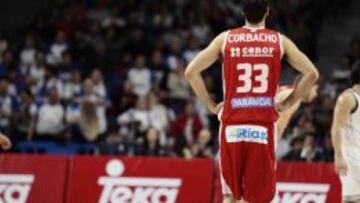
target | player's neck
x=255, y=25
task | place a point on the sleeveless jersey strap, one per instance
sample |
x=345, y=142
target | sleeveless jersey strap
x=281, y=44
x=224, y=43
x=357, y=99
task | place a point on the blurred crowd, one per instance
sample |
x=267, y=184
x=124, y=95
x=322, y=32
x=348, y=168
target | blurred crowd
x=110, y=73
x=309, y=135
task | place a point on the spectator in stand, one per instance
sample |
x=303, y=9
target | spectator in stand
x=26, y=117
x=36, y=73
x=295, y=152
x=160, y=70
x=202, y=147
x=137, y=120
x=327, y=150
x=151, y=144
x=177, y=84
x=28, y=53
x=86, y=120
x=8, y=63
x=192, y=49
x=50, y=124
x=4, y=44
x=310, y=152
x=162, y=115
x=6, y=107
x=90, y=104
x=54, y=57
x=41, y=89
x=115, y=144
x=139, y=77
x=186, y=128
x=73, y=88
x=99, y=85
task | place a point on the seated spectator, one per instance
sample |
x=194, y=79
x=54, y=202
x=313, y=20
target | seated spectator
x=114, y=144
x=201, y=148
x=25, y=118
x=327, y=150
x=177, y=84
x=4, y=44
x=99, y=85
x=139, y=77
x=54, y=57
x=159, y=69
x=6, y=107
x=90, y=105
x=8, y=63
x=151, y=144
x=295, y=152
x=73, y=88
x=42, y=88
x=86, y=120
x=310, y=151
x=28, y=53
x=50, y=122
x=162, y=116
x=192, y=49
x=136, y=120
x=65, y=67
x=36, y=72
x=187, y=125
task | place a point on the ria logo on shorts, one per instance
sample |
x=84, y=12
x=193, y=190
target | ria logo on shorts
x=246, y=133
x=136, y=189
x=15, y=188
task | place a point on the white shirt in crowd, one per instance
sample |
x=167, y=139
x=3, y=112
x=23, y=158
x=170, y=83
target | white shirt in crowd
x=54, y=57
x=27, y=57
x=5, y=107
x=50, y=119
x=140, y=80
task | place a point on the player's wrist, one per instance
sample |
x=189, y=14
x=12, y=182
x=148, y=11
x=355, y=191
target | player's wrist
x=211, y=106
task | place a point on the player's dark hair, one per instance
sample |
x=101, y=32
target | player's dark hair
x=255, y=10
x=355, y=73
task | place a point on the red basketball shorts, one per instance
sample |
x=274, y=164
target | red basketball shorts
x=247, y=161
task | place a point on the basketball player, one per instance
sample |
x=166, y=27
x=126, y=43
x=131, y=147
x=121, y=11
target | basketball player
x=5, y=142
x=285, y=116
x=346, y=138
x=251, y=71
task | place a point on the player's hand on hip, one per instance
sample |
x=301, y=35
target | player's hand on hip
x=216, y=108
x=5, y=142
x=340, y=166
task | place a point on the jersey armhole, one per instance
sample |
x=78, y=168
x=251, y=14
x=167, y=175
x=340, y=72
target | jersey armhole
x=357, y=102
x=281, y=44
x=224, y=43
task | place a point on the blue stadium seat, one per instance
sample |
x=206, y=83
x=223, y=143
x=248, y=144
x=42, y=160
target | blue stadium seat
x=35, y=146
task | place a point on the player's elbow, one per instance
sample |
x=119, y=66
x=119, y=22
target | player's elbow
x=313, y=75
x=189, y=73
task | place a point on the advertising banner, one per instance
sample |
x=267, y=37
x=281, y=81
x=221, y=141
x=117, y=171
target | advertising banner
x=124, y=179
x=307, y=182
x=32, y=179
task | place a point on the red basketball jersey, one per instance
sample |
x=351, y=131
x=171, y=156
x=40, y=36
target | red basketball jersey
x=251, y=73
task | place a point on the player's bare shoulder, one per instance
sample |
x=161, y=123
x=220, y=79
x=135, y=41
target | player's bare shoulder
x=347, y=98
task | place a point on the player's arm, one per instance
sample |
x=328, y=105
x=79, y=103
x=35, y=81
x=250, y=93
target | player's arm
x=344, y=105
x=200, y=63
x=301, y=63
x=285, y=116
